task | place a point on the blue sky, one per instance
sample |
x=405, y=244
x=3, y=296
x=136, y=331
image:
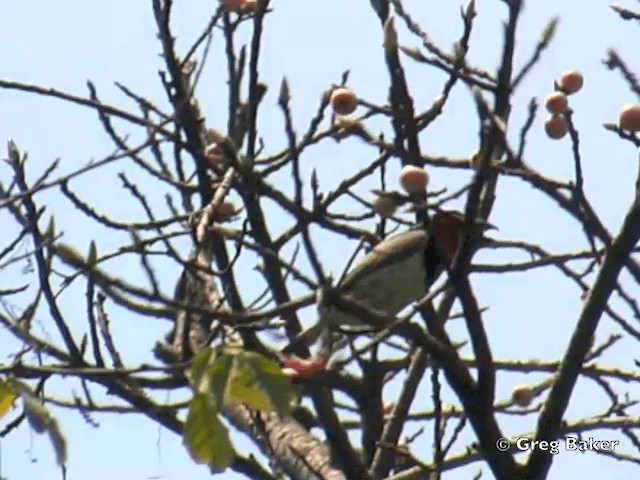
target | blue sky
x=63, y=44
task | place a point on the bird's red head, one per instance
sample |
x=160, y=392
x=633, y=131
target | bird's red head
x=448, y=226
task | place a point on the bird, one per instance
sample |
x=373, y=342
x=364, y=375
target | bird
x=396, y=272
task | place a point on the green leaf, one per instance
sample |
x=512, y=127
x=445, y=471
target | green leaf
x=209, y=374
x=550, y=30
x=205, y=436
x=242, y=388
x=27, y=315
x=233, y=374
x=260, y=383
x=7, y=398
x=414, y=54
x=40, y=419
x=59, y=442
x=93, y=253
x=50, y=233
x=38, y=416
x=197, y=370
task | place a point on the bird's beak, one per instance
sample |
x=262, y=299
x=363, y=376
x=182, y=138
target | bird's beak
x=486, y=225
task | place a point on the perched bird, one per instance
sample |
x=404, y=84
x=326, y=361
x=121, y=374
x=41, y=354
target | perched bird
x=396, y=272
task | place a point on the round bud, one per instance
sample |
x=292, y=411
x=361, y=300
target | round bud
x=225, y=211
x=571, y=82
x=522, y=395
x=629, y=118
x=556, y=126
x=557, y=103
x=413, y=179
x=384, y=206
x=387, y=409
x=343, y=101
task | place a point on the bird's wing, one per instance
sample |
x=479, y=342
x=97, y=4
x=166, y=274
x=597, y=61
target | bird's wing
x=403, y=245
x=383, y=289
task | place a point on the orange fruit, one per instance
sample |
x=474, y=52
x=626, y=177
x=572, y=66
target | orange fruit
x=557, y=103
x=629, y=118
x=571, y=82
x=522, y=395
x=556, y=126
x=343, y=101
x=225, y=211
x=384, y=206
x=413, y=179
